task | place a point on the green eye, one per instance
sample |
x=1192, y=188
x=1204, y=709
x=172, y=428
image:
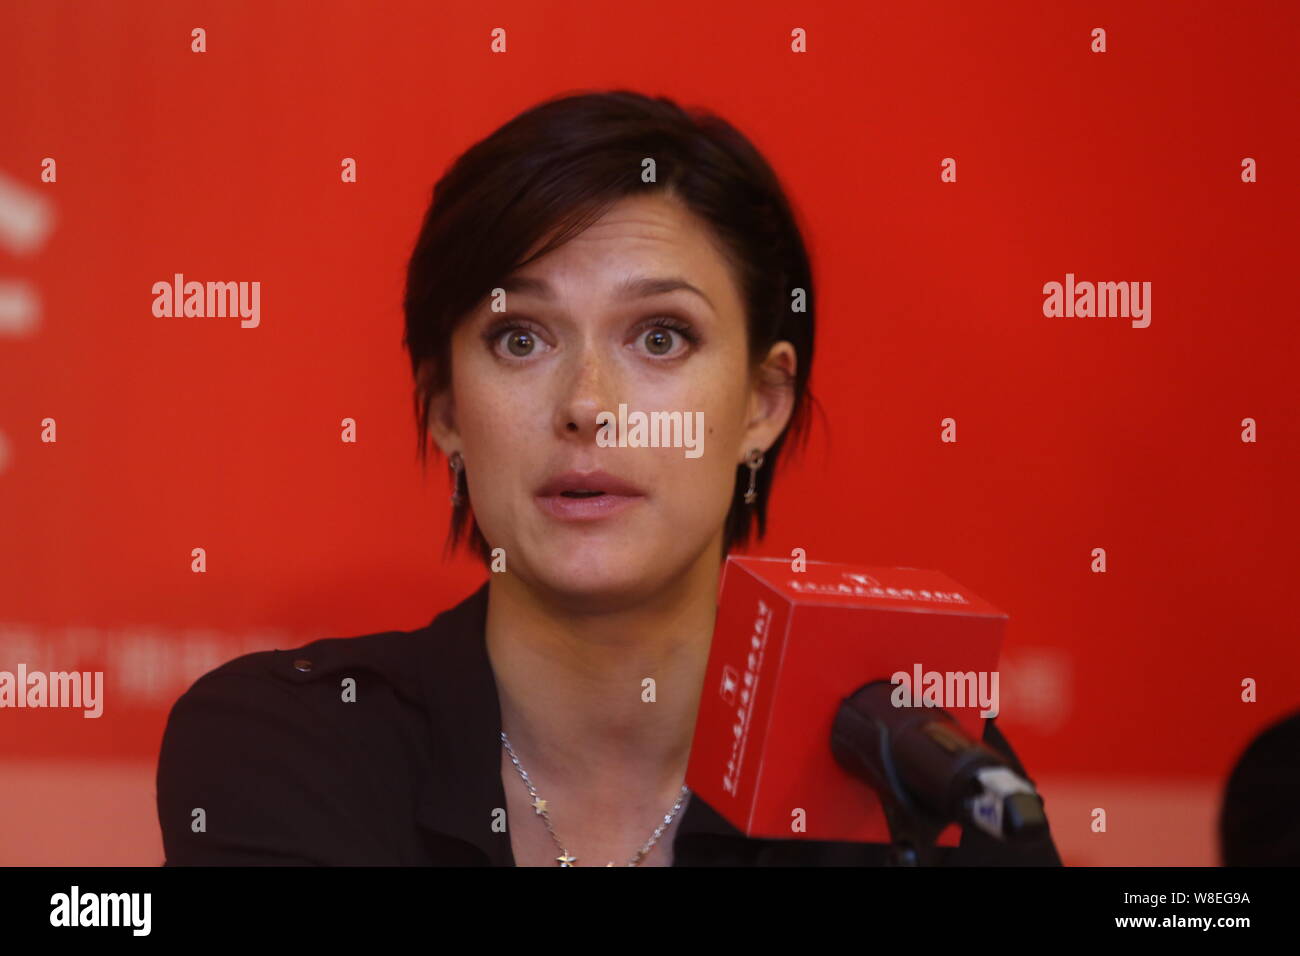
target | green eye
x=661, y=337
x=520, y=342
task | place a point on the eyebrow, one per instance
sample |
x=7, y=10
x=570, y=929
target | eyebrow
x=630, y=288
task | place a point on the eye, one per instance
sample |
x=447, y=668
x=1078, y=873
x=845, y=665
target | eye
x=659, y=336
x=520, y=342
x=521, y=339
x=659, y=341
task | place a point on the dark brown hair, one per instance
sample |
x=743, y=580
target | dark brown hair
x=555, y=169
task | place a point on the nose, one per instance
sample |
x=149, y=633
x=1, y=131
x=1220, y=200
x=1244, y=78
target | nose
x=588, y=387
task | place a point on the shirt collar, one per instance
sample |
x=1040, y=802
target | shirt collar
x=464, y=714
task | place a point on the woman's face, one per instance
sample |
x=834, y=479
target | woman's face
x=583, y=332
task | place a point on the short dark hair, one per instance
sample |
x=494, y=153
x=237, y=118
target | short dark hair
x=556, y=168
x=1257, y=816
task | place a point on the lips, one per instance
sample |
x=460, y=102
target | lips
x=590, y=484
x=578, y=496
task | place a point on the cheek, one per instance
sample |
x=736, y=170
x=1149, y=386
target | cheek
x=490, y=405
x=498, y=428
x=723, y=406
x=715, y=404
x=696, y=500
x=703, y=485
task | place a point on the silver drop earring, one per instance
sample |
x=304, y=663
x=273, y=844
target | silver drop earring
x=457, y=465
x=755, y=462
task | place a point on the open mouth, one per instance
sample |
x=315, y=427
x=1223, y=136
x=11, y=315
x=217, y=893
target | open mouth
x=587, y=496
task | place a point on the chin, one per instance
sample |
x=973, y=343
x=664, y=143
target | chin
x=593, y=570
x=594, y=577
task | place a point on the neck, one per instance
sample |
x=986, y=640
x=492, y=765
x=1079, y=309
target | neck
x=571, y=680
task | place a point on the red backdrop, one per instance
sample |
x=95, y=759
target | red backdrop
x=1122, y=690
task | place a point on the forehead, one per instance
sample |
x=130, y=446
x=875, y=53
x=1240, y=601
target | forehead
x=642, y=235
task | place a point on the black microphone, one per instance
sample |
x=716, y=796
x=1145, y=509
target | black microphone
x=929, y=773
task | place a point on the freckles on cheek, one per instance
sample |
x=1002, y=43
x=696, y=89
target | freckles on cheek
x=511, y=419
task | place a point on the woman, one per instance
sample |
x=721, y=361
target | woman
x=598, y=254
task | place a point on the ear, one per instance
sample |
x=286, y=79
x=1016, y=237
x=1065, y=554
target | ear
x=442, y=417
x=771, y=399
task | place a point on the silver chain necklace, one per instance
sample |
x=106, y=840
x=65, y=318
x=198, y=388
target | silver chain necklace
x=539, y=805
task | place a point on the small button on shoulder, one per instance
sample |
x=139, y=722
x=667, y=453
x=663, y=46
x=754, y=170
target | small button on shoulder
x=302, y=664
